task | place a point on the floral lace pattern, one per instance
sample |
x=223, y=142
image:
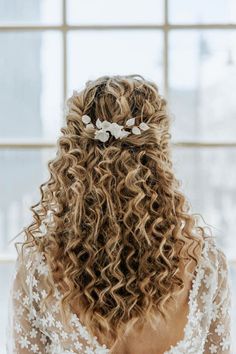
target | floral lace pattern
x=35, y=327
x=208, y=327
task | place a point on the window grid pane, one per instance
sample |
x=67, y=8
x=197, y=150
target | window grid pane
x=31, y=86
x=202, y=82
x=31, y=12
x=110, y=12
x=200, y=11
x=114, y=52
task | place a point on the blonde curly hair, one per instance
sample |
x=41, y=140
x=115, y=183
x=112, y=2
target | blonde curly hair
x=119, y=228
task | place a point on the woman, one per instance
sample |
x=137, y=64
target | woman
x=113, y=261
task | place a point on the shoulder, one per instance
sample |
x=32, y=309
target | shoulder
x=28, y=252
x=216, y=260
x=218, y=254
x=214, y=252
x=30, y=262
x=222, y=259
x=223, y=273
x=213, y=262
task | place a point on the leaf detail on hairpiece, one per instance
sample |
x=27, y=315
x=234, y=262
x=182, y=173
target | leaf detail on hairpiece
x=115, y=129
x=86, y=119
x=102, y=135
x=136, y=131
x=124, y=133
x=130, y=122
x=143, y=126
x=98, y=124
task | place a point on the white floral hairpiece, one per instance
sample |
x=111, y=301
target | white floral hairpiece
x=115, y=129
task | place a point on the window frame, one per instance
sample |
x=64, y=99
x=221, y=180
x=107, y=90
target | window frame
x=166, y=27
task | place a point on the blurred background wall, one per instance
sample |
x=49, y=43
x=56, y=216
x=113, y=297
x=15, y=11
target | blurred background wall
x=50, y=47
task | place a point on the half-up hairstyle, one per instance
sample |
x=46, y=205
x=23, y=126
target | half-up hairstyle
x=119, y=228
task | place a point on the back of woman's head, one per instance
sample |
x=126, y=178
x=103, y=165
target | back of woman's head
x=116, y=226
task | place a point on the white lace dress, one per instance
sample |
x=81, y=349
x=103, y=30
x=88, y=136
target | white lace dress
x=34, y=331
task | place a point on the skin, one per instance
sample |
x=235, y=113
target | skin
x=150, y=341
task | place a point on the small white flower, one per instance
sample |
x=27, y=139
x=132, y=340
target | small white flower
x=36, y=296
x=36, y=322
x=213, y=348
x=86, y=119
x=43, y=293
x=35, y=348
x=220, y=329
x=18, y=328
x=64, y=335
x=130, y=122
x=34, y=281
x=28, y=280
x=225, y=343
x=33, y=333
x=115, y=129
x=24, y=343
x=32, y=314
x=143, y=126
x=20, y=310
x=55, y=308
x=198, y=316
x=17, y=295
x=204, y=297
x=44, y=321
x=43, y=269
x=50, y=319
x=136, y=131
x=102, y=135
x=59, y=325
x=106, y=125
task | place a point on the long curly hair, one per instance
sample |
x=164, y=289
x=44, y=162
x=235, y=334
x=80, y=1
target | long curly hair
x=116, y=226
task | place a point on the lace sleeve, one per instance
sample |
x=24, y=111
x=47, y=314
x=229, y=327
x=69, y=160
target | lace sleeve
x=219, y=336
x=23, y=333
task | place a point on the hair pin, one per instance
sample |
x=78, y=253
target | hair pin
x=103, y=128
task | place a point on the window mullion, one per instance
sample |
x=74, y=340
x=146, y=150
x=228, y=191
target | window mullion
x=165, y=50
x=64, y=36
x=42, y=144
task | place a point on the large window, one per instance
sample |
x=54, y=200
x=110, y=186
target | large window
x=50, y=47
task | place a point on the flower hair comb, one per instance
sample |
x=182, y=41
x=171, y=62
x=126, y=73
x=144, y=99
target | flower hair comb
x=103, y=128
